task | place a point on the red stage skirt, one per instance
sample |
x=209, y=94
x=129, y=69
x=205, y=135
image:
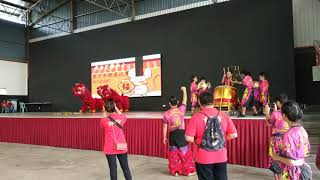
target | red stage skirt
x=144, y=136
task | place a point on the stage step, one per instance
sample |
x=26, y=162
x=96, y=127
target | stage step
x=311, y=125
x=314, y=148
x=312, y=108
x=311, y=122
x=311, y=158
x=311, y=117
x=314, y=140
x=313, y=132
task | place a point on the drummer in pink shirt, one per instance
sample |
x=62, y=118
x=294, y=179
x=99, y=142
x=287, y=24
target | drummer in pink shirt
x=113, y=135
x=209, y=164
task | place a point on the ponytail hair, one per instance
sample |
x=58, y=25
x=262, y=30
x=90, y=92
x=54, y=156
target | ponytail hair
x=293, y=111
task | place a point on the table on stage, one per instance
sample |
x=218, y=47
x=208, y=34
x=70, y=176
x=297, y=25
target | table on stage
x=143, y=131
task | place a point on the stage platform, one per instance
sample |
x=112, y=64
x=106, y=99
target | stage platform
x=143, y=131
x=130, y=115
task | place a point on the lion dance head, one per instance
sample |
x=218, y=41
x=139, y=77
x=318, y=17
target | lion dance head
x=107, y=93
x=88, y=102
x=79, y=89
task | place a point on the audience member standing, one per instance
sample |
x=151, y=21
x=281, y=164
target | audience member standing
x=179, y=154
x=115, y=142
x=210, y=152
x=295, y=146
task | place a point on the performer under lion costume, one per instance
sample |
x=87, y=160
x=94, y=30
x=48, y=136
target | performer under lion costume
x=121, y=101
x=88, y=102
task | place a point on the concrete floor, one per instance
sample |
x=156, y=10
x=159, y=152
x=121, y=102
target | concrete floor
x=29, y=162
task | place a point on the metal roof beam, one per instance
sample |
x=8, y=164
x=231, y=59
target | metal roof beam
x=115, y=4
x=13, y=5
x=29, y=1
x=45, y=13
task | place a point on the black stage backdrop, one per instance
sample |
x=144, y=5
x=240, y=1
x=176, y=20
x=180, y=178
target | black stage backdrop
x=254, y=34
x=307, y=89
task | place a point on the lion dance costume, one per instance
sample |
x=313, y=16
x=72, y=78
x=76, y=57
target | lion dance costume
x=179, y=154
x=107, y=93
x=88, y=102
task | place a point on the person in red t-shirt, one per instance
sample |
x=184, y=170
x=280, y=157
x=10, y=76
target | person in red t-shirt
x=113, y=135
x=179, y=154
x=3, y=106
x=209, y=164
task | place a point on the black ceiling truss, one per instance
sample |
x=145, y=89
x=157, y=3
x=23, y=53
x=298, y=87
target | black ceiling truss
x=13, y=5
x=41, y=15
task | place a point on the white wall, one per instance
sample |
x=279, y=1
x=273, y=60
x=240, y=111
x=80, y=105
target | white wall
x=14, y=77
x=306, y=22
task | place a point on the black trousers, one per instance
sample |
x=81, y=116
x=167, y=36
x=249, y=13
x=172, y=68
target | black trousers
x=177, y=138
x=123, y=159
x=216, y=171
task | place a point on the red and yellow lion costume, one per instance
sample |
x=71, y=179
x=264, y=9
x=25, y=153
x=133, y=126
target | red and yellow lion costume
x=107, y=93
x=88, y=102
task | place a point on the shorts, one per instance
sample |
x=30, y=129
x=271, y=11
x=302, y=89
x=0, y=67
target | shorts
x=177, y=138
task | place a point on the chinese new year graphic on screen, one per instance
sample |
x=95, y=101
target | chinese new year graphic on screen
x=121, y=76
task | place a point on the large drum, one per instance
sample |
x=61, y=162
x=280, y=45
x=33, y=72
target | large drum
x=225, y=98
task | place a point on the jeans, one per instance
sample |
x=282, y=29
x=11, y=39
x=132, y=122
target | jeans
x=123, y=159
x=216, y=171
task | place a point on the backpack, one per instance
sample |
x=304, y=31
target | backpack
x=212, y=139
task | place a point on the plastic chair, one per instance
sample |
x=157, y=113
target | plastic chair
x=23, y=107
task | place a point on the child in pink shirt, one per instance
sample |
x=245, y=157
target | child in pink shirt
x=227, y=78
x=209, y=164
x=294, y=147
x=248, y=94
x=279, y=127
x=194, y=93
x=261, y=95
x=113, y=134
x=179, y=154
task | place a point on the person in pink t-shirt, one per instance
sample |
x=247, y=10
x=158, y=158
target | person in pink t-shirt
x=194, y=93
x=209, y=164
x=261, y=94
x=248, y=94
x=227, y=78
x=279, y=127
x=113, y=135
x=179, y=153
x=295, y=145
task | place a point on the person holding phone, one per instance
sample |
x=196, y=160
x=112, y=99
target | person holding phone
x=279, y=127
x=115, y=145
x=295, y=145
